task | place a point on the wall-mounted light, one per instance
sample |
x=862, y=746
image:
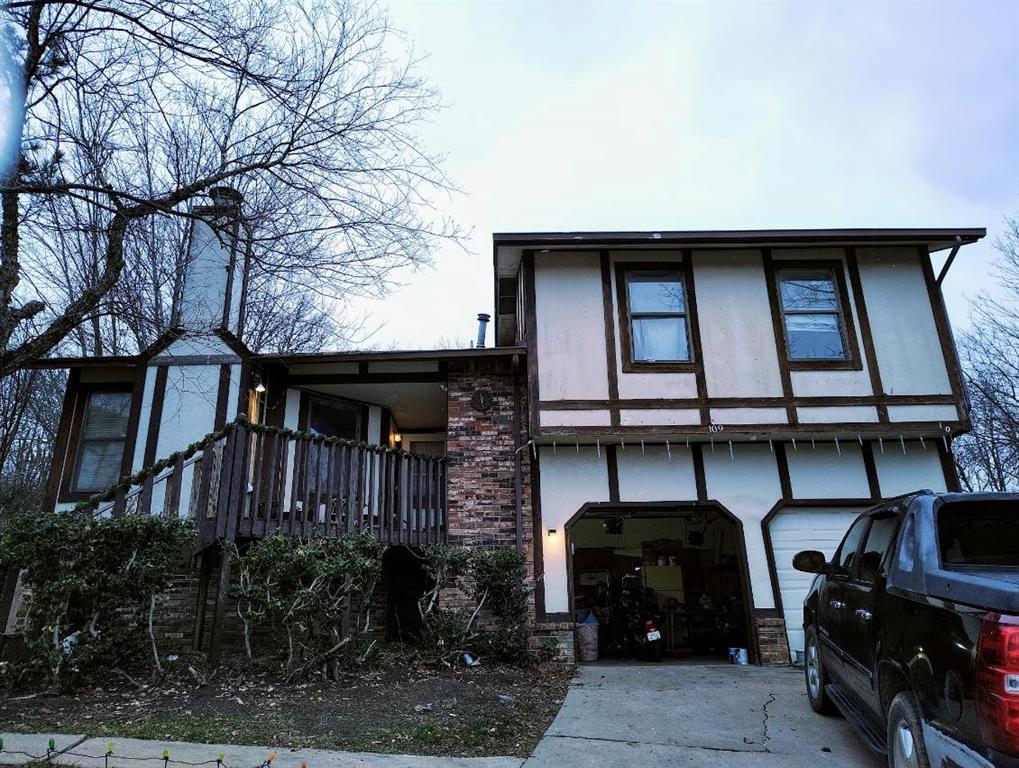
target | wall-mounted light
x=259, y=384
x=397, y=437
x=553, y=532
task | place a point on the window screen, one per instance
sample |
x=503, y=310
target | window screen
x=658, y=316
x=811, y=315
x=102, y=439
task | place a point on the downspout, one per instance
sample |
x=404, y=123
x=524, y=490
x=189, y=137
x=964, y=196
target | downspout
x=518, y=474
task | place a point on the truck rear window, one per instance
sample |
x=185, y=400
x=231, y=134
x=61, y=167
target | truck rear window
x=979, y=533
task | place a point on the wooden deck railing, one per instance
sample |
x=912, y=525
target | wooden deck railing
x=249, y=481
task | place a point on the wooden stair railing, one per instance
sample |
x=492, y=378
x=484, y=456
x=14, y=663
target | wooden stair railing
x=249, y=481
x=313, y=485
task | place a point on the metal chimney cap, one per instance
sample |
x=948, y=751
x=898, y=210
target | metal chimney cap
x=226, y=196
x=483, y=319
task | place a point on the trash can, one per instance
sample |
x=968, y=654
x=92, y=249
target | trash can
x=587, y=642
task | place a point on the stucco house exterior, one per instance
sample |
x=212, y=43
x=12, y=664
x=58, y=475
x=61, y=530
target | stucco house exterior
x=682, y=411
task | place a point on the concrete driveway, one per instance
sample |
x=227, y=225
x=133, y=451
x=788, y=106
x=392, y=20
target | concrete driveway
x=697, y=717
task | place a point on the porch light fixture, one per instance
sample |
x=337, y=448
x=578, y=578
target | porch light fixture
x=259, y=384
x=397, y=437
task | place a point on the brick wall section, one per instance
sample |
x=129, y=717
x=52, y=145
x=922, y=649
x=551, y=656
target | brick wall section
x=561, y=632
x=480, y=450
x=772, y=640
x=174, y=620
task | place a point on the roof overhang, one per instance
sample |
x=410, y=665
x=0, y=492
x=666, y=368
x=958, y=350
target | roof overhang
x=508, y=247
x=419, y=355
x=935, y=238
x=112, y=361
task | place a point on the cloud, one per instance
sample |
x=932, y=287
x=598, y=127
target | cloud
x=654, y=116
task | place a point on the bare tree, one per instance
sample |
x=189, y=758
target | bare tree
x=988, y=457
x=136, y=108
x=30, y=401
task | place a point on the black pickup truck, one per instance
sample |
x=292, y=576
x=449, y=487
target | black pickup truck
x=912, y=631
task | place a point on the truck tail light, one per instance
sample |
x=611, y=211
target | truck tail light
x=998, y=682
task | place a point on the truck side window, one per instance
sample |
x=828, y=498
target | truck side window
x=879, y=538
x=846, y=556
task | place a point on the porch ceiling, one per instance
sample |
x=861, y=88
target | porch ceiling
x=415, y=406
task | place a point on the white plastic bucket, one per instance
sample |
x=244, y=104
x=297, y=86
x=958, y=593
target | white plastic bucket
x=739, y=656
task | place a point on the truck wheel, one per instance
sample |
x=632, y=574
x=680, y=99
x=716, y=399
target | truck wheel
x=905, y=734
x=816, y=677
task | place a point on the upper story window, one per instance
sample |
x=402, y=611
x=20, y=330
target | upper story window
x=101, y=441
x=813, y=315
x=657, y=316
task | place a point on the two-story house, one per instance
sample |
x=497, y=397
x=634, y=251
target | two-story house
x=664, y=418
x=705, y=404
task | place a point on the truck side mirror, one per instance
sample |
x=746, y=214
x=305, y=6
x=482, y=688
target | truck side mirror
x=809, y=561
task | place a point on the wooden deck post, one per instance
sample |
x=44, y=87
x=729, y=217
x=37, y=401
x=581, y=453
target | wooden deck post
x=202, y=601
x=229, y=512
x=10, y=585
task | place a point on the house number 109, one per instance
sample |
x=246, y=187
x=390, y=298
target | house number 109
x=716, y=427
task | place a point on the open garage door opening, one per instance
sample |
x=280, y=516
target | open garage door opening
x=681, y=568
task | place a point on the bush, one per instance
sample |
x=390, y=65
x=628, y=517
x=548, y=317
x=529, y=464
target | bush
x=498, y=625
x=318, y=592
x=94, y=585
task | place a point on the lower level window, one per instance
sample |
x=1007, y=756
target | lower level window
x=102, y=440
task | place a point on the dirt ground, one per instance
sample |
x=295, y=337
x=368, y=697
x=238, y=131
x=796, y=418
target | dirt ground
x=399, y=708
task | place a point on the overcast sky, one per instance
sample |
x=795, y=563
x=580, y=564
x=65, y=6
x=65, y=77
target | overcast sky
x=603, y=116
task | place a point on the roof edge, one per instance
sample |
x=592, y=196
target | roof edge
x=367, y=356
x=929, y=235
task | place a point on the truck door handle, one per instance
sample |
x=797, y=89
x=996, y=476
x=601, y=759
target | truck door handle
x=863, y=614
x=836, y=604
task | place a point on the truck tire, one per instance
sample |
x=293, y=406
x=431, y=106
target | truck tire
x=906, y=748
x=815, y=676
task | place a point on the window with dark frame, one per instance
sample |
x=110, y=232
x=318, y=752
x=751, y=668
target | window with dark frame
x=101, y=442
x=334, y=418
x=330, y=417
x=812, y=318
x=658, y=316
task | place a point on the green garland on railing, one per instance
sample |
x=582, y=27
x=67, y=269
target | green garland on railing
x=128, y=481
x=242, y=420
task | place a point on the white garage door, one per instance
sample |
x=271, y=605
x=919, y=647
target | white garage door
x=796, y=529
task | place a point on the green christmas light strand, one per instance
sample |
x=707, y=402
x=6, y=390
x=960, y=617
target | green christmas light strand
x=139, y=477
x=52, y=752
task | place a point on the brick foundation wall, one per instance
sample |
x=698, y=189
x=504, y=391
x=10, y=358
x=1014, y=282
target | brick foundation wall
x=561, y=632
x=771, y=639
x=174, y=621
